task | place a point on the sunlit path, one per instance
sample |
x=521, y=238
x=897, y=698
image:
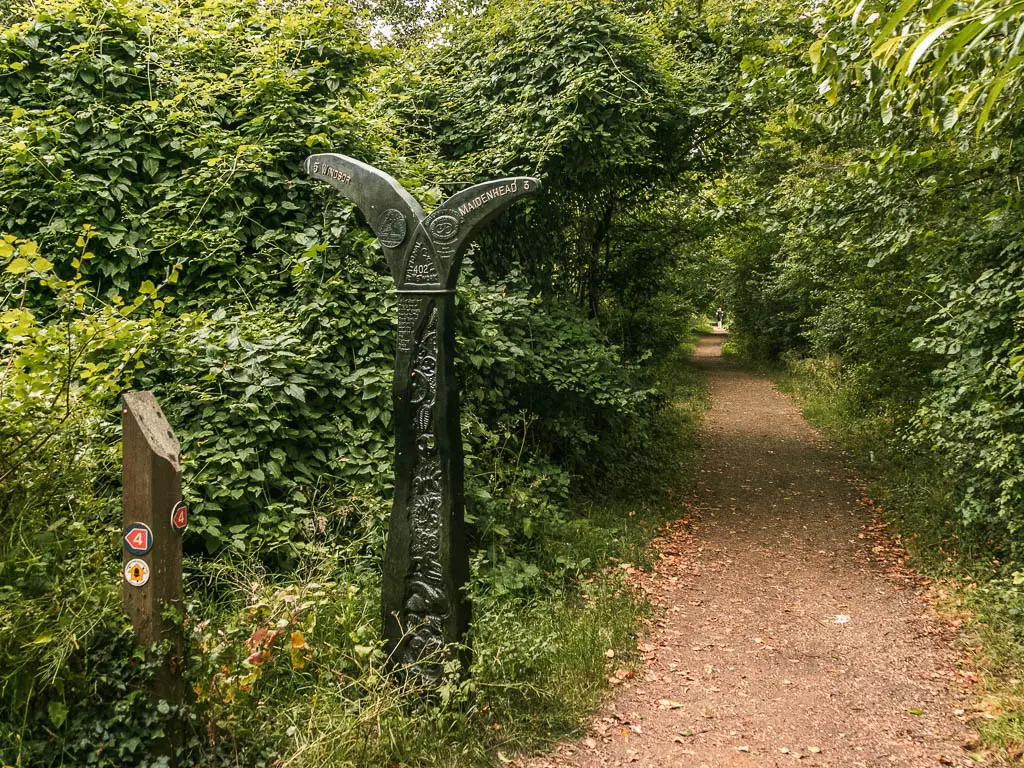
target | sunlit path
x=787, y=628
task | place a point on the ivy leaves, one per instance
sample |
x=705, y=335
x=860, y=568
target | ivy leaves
x=162, y=140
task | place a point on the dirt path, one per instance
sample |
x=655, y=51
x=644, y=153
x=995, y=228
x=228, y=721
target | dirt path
x=787, y=631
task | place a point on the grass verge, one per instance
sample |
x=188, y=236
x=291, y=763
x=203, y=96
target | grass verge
x=540, y=652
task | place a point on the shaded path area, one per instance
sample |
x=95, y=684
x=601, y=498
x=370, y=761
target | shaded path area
x=787, y=631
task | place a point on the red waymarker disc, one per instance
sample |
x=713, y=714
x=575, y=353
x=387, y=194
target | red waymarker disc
x=138, y=538
x=179, y=517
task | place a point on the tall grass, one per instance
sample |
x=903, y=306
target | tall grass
x=539, y=667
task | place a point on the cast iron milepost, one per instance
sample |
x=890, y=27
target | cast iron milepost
x=426, y=562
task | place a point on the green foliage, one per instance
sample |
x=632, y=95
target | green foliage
x=567, y=89
x=279, y=406
x=70, y=684
x=177, y=135
x=858, y=235
x=60, y=379
x=100, y=714
x=612, y=106
x=973, y=418
x=950, y=58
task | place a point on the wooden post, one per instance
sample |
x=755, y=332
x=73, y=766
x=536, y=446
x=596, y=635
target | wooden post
x=151, y=486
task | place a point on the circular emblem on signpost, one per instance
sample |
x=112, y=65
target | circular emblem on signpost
x=392, y=228
x=444, y=226
x=136, y=572
x=138, y=538
x=179, y=517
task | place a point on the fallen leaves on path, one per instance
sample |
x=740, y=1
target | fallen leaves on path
x=788, y=626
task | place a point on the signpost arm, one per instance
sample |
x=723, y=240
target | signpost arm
x=392, y=213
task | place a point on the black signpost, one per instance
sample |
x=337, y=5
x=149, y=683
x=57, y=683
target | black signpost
x=426, y=562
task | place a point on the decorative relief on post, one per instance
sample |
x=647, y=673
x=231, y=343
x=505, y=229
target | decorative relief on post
x=420, y=271
x=426, y=604
x=443, y=226
x=392, y=228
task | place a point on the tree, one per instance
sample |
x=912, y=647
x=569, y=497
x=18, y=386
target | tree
x=952, y=57
x=595, y=100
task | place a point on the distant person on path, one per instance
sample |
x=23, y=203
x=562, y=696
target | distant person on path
x=720, y=314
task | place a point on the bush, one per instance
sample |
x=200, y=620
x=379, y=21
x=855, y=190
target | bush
x=974, y=418
x=68, y=672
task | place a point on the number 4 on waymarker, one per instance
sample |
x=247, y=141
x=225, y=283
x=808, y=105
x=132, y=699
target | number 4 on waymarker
x=179, y=517
x=138, y=538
